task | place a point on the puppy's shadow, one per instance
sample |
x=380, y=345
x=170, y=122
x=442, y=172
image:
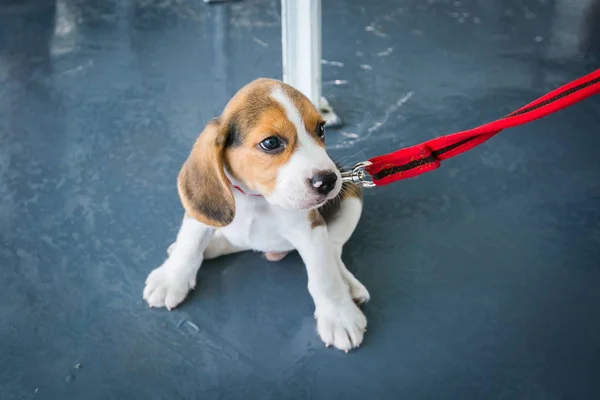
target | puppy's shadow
x=241, y=276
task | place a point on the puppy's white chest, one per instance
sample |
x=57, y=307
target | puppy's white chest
x=257, y=226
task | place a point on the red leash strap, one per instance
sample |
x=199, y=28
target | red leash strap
x=425, y=157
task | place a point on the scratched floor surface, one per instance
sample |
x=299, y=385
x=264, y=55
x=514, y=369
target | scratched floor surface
x=484, y=275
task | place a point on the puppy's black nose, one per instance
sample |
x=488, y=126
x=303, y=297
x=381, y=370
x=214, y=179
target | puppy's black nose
x=324, y=181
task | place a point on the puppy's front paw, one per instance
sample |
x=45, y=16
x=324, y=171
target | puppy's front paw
x=342, y=326
x=164, y=289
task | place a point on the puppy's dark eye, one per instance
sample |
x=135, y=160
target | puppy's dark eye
x=321, y=131
x=271, y=144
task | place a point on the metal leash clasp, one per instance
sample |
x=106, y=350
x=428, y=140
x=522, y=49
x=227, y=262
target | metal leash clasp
x=358, y=175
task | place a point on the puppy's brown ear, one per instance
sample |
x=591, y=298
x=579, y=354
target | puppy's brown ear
x=203, y=187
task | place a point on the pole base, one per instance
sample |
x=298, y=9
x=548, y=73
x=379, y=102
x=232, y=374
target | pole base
x=332, y=120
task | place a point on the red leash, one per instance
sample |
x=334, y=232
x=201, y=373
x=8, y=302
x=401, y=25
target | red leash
x=427, y=156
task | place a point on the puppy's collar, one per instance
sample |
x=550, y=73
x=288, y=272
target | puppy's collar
x=239, y=189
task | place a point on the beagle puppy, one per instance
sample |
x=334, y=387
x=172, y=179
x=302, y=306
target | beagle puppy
x=259, y=178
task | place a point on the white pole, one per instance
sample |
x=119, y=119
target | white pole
x=301, y=46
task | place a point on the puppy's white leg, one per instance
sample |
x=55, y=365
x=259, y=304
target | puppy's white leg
x=168, y=284
x=340, y=228
x=221, y=246
x=339, y=321
x=218, y=246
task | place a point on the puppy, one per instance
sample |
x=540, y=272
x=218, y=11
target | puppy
x=259, y=178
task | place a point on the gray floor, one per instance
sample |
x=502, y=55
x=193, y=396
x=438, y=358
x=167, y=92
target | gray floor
x=484, y=275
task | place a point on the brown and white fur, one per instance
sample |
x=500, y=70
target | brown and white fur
x=238, y=196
